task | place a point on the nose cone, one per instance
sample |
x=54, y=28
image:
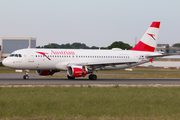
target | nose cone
x=5, y=62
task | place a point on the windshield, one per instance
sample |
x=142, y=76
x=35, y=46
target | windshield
x=15, y=55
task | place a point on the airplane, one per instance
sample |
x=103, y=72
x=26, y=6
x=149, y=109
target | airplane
x=81, y=62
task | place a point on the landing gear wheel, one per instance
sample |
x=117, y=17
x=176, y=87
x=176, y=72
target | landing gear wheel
x=92, y=77
x=69, y=77
x=26, y=77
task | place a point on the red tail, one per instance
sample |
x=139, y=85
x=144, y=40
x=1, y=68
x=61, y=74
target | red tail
x=148, y=41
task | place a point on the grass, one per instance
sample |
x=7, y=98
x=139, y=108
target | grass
x=167, y=75
x=128, y=103
x=4, y=70
x=1, y=65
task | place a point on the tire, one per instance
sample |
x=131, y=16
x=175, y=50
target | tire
x=92, y=77
x=26, y=77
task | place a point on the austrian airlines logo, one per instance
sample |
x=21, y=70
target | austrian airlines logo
x=44, y=54
x=151, y=35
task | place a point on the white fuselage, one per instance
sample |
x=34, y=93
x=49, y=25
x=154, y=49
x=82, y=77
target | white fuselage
x=59, y=59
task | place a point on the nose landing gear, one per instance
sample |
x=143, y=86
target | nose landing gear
x=26, y=76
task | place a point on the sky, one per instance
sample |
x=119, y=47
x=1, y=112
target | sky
x=93, y=22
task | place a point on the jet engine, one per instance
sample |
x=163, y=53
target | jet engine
x=77, y=71
x=46, y=72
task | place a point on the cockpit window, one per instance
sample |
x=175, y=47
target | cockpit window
x=15, y=55
x=12, y=55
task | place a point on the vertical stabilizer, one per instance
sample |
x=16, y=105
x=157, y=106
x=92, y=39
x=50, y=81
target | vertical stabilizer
x=148, y=41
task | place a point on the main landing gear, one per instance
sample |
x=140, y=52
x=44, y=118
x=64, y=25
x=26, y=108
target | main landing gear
x=26, y=76
x=92, y=77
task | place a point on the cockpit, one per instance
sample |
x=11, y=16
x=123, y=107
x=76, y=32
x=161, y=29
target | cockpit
x=15, y=55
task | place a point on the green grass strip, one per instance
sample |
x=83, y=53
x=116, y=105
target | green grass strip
x=90, y=103
x=1, y=65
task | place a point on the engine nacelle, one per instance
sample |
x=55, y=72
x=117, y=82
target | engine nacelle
x=77, y=71
x=46, y=72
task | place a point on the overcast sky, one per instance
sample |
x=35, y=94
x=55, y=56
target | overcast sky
x=93, y=22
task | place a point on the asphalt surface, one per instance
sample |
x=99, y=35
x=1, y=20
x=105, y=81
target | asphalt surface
x=16, y=79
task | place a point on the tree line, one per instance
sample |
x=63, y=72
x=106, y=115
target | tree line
x=116, y=44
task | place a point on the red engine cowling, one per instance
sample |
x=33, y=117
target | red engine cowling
x=46, y=72
x=77, y=71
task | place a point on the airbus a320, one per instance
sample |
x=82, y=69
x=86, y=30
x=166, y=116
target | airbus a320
x=79, y=62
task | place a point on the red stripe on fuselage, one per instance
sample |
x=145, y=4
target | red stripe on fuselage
x=155, y=24
x=143, y=47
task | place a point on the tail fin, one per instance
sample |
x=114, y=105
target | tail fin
x=148, y=41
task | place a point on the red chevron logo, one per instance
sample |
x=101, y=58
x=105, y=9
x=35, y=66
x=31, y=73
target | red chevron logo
x=44, y=54
x=151, y=35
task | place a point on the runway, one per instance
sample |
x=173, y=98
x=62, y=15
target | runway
x=16, y=79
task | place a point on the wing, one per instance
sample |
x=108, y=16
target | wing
x=102, y=64
x=156, y=56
